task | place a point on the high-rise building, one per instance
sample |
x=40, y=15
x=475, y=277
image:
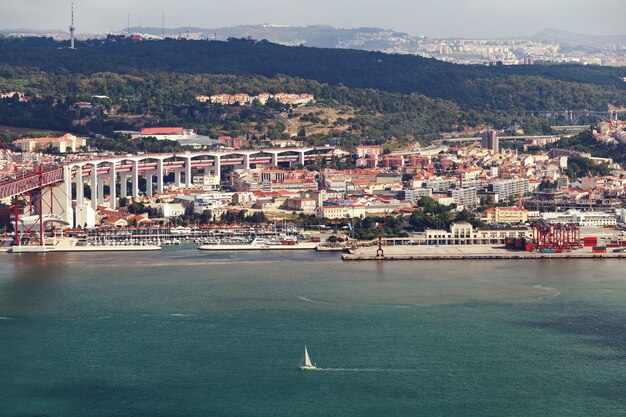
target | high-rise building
x=490, y=141
x=510, y=188
x=466, y=197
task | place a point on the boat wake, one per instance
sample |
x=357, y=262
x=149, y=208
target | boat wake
x=554, y=291
x=385, y=370
x=308, y=300
x=5, y=318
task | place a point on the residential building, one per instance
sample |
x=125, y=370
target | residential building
x=466, y=197
x=412, y=196
x=207, y=181
x=506, y=215
x=506, y=188
x=303, y=204
x=230, y=142
x=65, y=143
x=356, y=207
x=169, y=210
x=490, y=141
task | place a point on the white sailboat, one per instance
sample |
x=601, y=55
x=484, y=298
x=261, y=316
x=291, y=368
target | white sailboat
x=305, y=362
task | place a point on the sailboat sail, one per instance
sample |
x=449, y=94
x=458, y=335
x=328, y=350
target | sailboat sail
x=307, y=360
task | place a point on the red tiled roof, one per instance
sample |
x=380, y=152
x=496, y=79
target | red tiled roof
x=162, y=131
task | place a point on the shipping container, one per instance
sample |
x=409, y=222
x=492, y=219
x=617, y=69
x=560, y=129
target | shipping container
x=590, y=241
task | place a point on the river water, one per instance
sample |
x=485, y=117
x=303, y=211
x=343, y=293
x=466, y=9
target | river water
x=187, y=333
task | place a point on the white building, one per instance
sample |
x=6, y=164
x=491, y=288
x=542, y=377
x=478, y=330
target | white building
x=207, y=181
x=587, y=218
x=464, y=234
x=65, y=143
x=211, y=201
x=510, y=188
x=84, y=216
x=466, y=197
x=169, y=209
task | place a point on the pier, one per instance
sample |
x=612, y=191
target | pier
x=467, y=252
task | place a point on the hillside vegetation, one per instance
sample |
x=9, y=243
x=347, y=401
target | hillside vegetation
x=547, y=87
x=361, y=97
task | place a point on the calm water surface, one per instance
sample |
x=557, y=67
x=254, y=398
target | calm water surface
x=189, y=333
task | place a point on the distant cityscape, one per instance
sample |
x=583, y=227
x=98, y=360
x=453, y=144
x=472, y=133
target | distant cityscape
x=547, y=46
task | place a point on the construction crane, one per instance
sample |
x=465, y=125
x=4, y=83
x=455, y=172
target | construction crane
x=520, y=188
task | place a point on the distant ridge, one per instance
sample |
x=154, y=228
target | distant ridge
x=368, y=38
x=577, y=39
x=26, y=31
x=325, y=36
x=321, y=36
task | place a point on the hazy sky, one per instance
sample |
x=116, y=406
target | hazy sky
x=437, y=18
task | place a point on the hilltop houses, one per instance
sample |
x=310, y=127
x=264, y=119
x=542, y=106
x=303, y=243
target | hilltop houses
x=63, y=144
x=246, y=100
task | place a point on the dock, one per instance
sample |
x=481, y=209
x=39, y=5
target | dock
x=467, y=252
x=71, y=245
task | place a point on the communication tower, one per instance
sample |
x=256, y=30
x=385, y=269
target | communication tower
x=72, y=28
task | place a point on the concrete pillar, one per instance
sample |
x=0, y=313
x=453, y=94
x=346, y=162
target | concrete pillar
x=112, y=186
x=159, y=173
x=66, y=199
x=218, y=166
x=301, y=157
x=274, y=159
x=123, y=185
x=134, y=171
x=188, y=180
x=246, y=161
x=177, y=175
x=100, y=198
x=80, y=186
x=94, y=186
x=149, y=183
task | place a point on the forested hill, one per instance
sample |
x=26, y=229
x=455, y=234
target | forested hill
x=494, y=88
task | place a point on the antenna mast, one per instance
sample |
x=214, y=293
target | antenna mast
x=72, y=28
x=163, y=25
